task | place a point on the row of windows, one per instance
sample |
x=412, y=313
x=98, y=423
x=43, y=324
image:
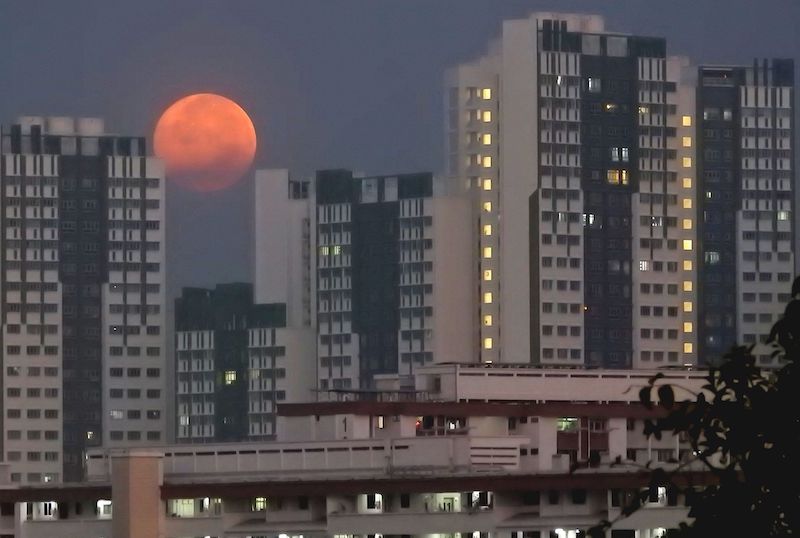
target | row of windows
x=135, y=372
x=561, y=285
x=561, y=239
x=561, y=330
x=134, y=351
x=658, y=334
x=134, y=435
x=562, y=308
x=561, y=353
x=672, y=356
x=31, y=392
x=134, y=414
x=32, y=413
x=766, y=277
x=32, y=435
x=658, y=289
x=134, y=393
x=14, y=455
x=33, y=371
x=32, y=350
x=133, y=329
x=574, y=263
x=658, y=311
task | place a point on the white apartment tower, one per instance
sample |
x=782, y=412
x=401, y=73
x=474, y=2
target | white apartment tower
x=82, y=281
x=374, y=264
x=576, y=146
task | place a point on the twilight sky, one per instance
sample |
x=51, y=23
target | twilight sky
x=328, y=83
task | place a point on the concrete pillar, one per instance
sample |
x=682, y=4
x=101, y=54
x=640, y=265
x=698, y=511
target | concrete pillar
x=617, y=437
x=548, y=442
x=136, y=479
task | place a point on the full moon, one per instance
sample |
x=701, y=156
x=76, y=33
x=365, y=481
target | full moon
x=207, y=142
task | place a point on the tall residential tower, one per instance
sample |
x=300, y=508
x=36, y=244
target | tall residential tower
x=82, y=280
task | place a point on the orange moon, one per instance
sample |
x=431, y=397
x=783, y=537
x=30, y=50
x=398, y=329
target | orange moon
x=207, y=142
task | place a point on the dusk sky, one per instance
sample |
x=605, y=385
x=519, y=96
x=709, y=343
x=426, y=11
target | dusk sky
x=328, y=83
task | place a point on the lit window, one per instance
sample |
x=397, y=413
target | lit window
x=783, y=215
x=487, y=252
x=337, y=249
x=644, y=110
x=686, y=121
x=488, y=343
x=487, y=229
x=624, y=176
x=486, y=93
x=487, y=297
x=487, y=186
x=687, y=183
x=89, y=435
x=324, y=251
x=687, y=224
x=688, y=347
x=687, y=162
x=611, y=107
x=486, y=162
x=230, y=377
x=116, y=414
x=612, y=176
x=644, y=265
x=687, y=326
x=381, y=422
x=259, y=504
x=626, y=152
x=486, y=116
x=687, y=141
x=687, y=244
x=687, y=285
x=593, y=84
x=687, y=306
x=486, y=139
x=487, y=206
x=487, y=320
x=487, y=274
x=687, y=203
x=687, y=265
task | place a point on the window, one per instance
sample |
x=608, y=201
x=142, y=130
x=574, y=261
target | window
x=687, y=183
x=687, y=162
x=687, y=141
x=687, y=326
x=230, y=377
x=486, y=183
x=687, y=224
x=486, y=139
x=487, y=252
x=487, y=297
x=487, y=274
x=687, y=244
x=487, y=320
x=687, y=203
x=686, y=121
x=687, y=285
x=486, y=116
x=644, y=265
x=593, y=84
x=486, y=93
x=687, y=306
x=488, y=343
x=687, y=347
x=487, y=207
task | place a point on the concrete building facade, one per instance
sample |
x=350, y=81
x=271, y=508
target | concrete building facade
x=82, y=279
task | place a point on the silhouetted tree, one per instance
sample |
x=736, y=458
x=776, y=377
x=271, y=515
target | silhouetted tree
x=745, y=431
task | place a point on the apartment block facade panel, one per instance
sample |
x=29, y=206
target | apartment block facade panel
x=746, y=154
x=66, y=187
x=588, y=204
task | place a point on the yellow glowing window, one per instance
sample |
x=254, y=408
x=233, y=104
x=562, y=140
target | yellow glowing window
x=687, y=326
x=486, y=139
x=687, y=265
x=687, y=203
x=687, y=224
x=612, y=176
x=687, y=162
x=487, y=274
x=486, y=93
x=687, y=285
x=487, y=252
x=644, y=110
x=324, y=251
x=487, y=297
x=687, y=306
x=486, y=116
x=686, y=121
x=487, y=186
x=487, y=320
x=688, y=347
x=687, y=244
x=687, y=141
x=487, y=162
x=687, y=183
x=487, y=206
x=624, y=176
x=230, y=377
x=488, y=343
x=337, y=249
x=487, y=229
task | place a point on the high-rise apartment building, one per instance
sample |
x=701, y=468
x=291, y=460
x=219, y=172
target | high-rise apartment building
x=577, y=146
x=376, y=264
x=82, y=280
x=236, y=361
x=745, y=118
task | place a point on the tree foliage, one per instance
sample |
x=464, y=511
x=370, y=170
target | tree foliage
x=744, y=429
